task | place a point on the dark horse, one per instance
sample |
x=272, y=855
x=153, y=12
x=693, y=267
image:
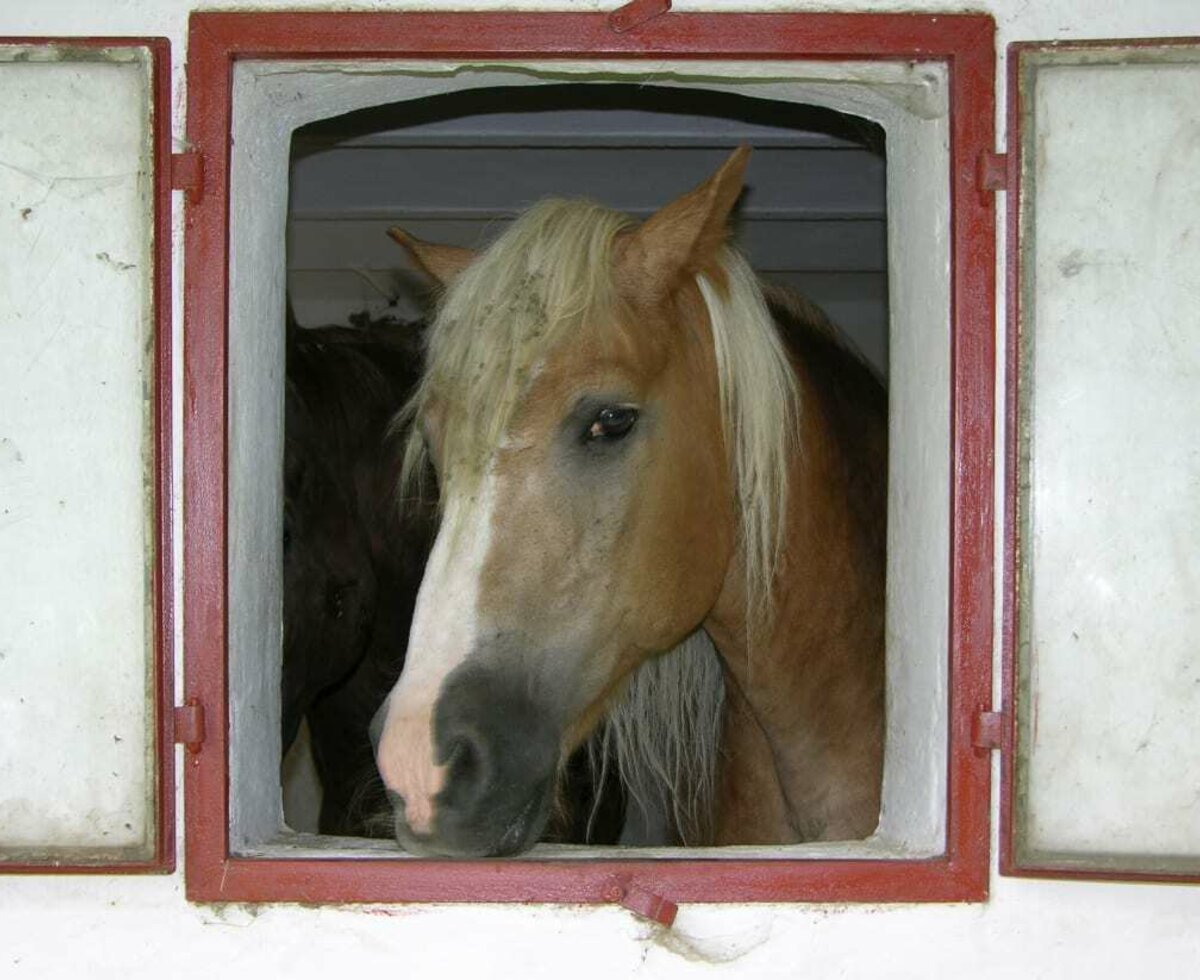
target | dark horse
x=354, y=556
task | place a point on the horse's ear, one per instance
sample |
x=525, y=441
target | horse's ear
x=441, y=262
x=685, y=236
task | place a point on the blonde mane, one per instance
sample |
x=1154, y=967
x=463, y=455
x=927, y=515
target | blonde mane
x=548, y=277
x=760, y=406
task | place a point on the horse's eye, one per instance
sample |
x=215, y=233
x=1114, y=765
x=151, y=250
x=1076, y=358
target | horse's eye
x=611, y=423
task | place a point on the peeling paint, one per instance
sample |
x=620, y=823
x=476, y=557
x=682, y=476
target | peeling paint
x=10, y=452
x=714, y=947
x=116, y=264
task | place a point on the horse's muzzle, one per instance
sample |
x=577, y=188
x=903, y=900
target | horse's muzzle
x=500, y=751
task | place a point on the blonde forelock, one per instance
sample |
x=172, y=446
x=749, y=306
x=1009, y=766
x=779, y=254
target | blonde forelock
x=547, y=277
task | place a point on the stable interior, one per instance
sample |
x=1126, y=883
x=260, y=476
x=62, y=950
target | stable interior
x=335, y=152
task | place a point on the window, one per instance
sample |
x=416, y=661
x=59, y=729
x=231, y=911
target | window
x=255, y=80
x=455, y=168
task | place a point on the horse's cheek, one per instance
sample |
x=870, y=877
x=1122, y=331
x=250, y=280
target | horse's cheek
x=677, y=567
x=694, y=489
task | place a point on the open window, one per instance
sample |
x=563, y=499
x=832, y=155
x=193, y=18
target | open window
x=455, y=168
x=257, y=95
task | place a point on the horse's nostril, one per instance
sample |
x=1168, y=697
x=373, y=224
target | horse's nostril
x=466, y=770
x=464, y=759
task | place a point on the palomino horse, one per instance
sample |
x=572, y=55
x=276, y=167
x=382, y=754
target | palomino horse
x=637, y=450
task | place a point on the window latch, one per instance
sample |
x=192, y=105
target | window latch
x=635, y=14
x=641, y=902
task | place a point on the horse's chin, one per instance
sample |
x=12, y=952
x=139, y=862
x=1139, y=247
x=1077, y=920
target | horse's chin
x=515, y=837
x=523, y=832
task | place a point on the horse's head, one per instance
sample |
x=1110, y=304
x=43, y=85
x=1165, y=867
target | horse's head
x=577, y=408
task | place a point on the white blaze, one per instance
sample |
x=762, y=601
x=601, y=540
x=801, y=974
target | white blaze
x=444, y=631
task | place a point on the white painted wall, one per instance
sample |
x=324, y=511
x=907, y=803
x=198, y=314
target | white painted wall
x=129, y=927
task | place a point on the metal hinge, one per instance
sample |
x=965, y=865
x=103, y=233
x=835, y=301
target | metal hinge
x=993, y=171
x=641, y=902
x=987, y=731
x=187, y=174
x=636, y=13
x=189, y=725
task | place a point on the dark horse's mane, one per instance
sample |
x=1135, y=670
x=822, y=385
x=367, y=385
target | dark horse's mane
x=346, y=384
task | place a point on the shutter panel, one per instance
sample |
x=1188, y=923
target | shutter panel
x=85, y=766
x=1103, y=684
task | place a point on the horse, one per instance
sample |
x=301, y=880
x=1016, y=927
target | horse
x=663, y=496
x=346, y=543
x=353, y=556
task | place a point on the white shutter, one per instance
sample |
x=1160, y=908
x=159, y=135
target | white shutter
x=1107, y=678
x=79, y=744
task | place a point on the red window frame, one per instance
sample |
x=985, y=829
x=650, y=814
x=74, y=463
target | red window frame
x=162, y=644
x=966, y=44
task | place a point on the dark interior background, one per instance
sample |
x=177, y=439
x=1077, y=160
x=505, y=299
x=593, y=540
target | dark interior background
x=456, y=168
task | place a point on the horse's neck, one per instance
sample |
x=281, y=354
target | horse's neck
x=803, y=742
